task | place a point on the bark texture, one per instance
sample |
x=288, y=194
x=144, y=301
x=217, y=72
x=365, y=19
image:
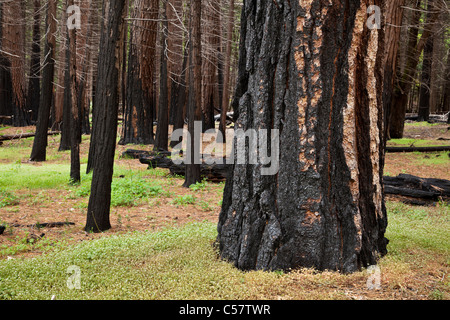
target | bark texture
x=103, y=139
x=140, y=92
x=313, y=70
x=39, y=151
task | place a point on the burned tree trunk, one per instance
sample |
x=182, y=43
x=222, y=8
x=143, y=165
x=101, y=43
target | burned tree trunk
x=39, y=151
x=105, y=123
x=314, y=74
x=140, y=92
x=34, y=86
x=195, y=94
x=13, y=47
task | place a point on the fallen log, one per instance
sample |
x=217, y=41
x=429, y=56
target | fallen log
x=417, y=149
x=415, y=187
x=45, y=225
x=212, y=172
x=25, y=135
x=136, y=154
x=404, y=185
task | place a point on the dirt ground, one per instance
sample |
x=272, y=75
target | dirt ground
x=56, y=206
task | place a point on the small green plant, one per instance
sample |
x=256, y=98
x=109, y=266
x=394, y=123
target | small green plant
x=184, y=200
x=199, y=185
x=205, y=206
x=7, y=199
x=130, y=192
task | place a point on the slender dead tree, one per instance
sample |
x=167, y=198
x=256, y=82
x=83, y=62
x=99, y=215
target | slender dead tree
x=13, y=47
x=39, y=150
x=226, y=82
x=34, y=85
x=195, y=95
x=105, y=120
x=162, y=130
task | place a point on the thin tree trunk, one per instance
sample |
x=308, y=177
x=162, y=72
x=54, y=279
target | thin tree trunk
x=394, y=17
x=13, y=45
x=315, y=75
x=75, y=119
x=226, y=82
x=405, y=79
x=162, y=131
x=141, y=95
x=35, y=64
x=66, y=131
x=105, y=122
x=6, y=110
x=195, y=95
x=39, y=151
x=425, y=83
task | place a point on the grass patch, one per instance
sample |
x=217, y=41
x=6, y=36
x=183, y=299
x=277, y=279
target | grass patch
x=181, y=263
x=26, y=176
x=184, y=200
x=407, y=142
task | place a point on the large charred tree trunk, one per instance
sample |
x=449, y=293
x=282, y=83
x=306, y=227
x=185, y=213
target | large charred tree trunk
x=105, y=120
x=315, y=74
x=39, y=151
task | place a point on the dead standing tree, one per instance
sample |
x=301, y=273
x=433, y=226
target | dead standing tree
x=105, y=120
x=314, y=72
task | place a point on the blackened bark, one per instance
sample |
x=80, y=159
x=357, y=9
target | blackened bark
x=178, y=100
x=39, y=151
x=35, y=64
x=394, y=17
x=162, y=130
x=140, y=93
x=12, y=43
x=105, y=122
x=195, y=93
x=65, y=141
x=75, y=119
x=314, y=74
x=5, y=79
x=425, y=81
x=226, y=81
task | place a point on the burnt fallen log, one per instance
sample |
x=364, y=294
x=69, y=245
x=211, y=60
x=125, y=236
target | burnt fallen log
x=136, y=154
x=24, y=136
x=45, y=225
x=417, y=190
x=417, y=149
x=407, y=185
x=212, y=172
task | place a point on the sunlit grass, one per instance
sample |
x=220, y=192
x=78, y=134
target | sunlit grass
x=182, y=263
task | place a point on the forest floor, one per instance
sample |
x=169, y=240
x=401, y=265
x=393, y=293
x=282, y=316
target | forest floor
x=150, y=200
